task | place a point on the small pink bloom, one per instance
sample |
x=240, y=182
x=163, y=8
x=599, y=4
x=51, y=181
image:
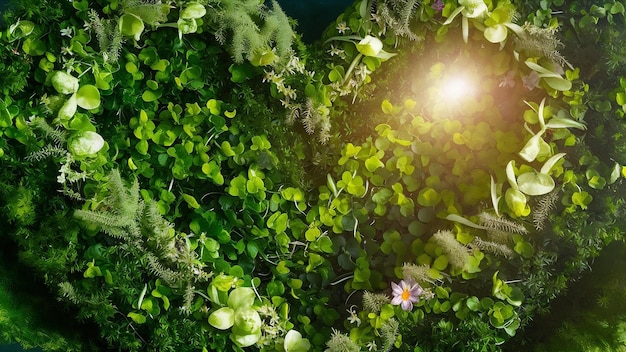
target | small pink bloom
x=531, y=81
x=406, y=294
x=438, y=5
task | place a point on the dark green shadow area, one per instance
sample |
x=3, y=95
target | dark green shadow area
x=313, y=16
x=17, y=348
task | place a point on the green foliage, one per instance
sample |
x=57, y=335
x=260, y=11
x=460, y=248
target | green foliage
x=214, y=244
x=237, y=23
x=22, y=322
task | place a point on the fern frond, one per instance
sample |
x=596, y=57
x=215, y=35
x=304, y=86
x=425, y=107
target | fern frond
x=102, y=218
x=66, y=290
x=492, y=247
x=419, y=273
x=254, y=28
x=160, y=270
x=150, y=11
x=536, y=41
x=457, y=253
x=396, y=15
x=49, y=151
x=57, y=135
x=188, y=297
x=498, y=223
x=109, y=38
x=374, y=302
x=341, y=343
x=544, y=207
x=123, y=201
x=389, y=332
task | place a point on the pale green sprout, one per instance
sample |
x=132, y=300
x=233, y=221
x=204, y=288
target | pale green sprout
x=295, y=343
x=63, y=82
x=370, y=46
x=85, y=143
x=366, y=46
x=131, y=26
x=68, y=109
x=193, y=10
x=241, y=316
x=474, y=9
x=553, y=79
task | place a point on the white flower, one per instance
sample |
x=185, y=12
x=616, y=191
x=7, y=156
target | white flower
x=342, y=27
x=67, y=32
x=371, y=346
x=269, y=76
x=336, y=51
x=295, y=65
x=353, y=318
x=362, y=71
x=66, y=51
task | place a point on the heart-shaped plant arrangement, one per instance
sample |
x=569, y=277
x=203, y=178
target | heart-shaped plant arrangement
x=189, y=176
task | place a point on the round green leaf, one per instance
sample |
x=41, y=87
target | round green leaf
x=63, y=82
x=241, y=297
x=497, y=33
x=516, y=201
x=295, y=343
x=85, y=143
x=88, y=97
x=192, y=11
x=223, y=318
x=247, y=321
x=246, y=340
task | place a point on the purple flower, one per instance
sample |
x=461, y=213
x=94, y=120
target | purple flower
x=508, y=80
x=531, y=81
x=438, y=5
x=406, y=294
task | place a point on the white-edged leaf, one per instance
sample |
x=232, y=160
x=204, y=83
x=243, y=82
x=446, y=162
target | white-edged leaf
x=559, y=83
x=464, y=221
x=532, y=148
x=547, y=166
x=453, y=15
x=517, y=29
x=495, y=199
x=535, y=184
x=540, y=69
x=510, y=174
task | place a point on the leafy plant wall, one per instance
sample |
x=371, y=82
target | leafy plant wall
x=188, y=175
